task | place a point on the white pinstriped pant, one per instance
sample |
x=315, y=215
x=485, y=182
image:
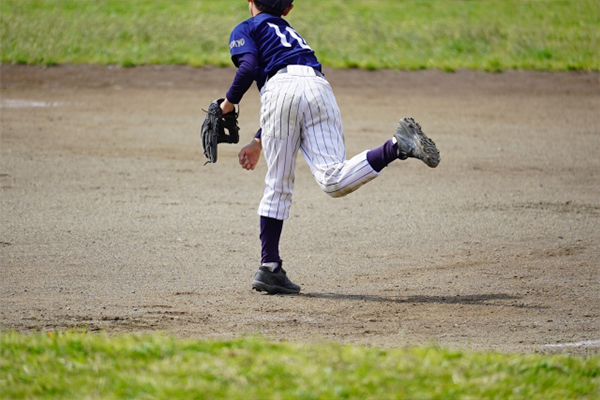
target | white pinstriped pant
x=299, y=112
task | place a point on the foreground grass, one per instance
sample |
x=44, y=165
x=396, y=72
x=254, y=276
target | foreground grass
x=485, y=34
x=90, y=366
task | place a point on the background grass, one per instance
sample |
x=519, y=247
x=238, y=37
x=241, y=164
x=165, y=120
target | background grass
x=444, y=34
x=89, y=366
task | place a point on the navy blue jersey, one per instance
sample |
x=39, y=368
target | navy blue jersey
x=273, y=42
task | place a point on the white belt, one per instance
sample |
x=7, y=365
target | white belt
x=299, y=70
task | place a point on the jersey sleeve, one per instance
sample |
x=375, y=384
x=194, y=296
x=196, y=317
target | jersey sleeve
x=241, y=42
x=245, y=75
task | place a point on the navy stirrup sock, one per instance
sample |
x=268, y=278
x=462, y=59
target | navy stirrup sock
x=380, y=157
x=270, y=233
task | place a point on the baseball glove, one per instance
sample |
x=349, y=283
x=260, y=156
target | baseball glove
x=213, y=129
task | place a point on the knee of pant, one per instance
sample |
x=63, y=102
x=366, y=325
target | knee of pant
x=337, y=194
x=334, y=190
x=331, y=183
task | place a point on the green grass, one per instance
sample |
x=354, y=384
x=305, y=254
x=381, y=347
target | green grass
x=488, y=35
x=77, y=365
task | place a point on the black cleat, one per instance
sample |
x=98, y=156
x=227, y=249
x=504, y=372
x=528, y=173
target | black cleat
x=412, y=142
x=274, y=282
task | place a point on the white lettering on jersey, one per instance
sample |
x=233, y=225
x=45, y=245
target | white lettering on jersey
x=293, y=33
x=299, y=38
x=284, y=41
x=237, y=43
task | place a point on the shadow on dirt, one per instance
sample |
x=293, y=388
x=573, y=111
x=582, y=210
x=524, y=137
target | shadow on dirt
x=491, y=299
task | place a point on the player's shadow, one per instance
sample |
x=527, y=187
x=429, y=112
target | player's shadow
x=496, y=299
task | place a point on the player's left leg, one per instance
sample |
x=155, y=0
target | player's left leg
x=274, y=208
x=280, y=156
x=280, y=142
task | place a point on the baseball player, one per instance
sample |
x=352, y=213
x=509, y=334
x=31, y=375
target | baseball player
x=299, y=112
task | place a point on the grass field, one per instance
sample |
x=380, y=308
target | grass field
x=442, y=34
x=90, y=366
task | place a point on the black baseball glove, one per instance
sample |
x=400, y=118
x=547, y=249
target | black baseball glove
x=213, y=129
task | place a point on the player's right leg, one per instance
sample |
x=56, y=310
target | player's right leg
x=323, y=144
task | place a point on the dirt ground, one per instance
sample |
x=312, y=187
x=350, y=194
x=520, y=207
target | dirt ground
x=110, y=221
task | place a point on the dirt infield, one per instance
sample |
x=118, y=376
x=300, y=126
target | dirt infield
x=110, y=221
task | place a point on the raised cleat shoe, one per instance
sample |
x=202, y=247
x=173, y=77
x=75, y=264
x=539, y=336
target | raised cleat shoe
x=412, y=142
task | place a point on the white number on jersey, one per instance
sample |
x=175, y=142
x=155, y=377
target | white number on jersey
x=293, y=33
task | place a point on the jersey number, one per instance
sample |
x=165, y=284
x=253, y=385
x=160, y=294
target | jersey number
x=293, y=33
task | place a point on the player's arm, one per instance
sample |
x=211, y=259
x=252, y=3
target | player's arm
x=250, y=154
x=246, y=74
